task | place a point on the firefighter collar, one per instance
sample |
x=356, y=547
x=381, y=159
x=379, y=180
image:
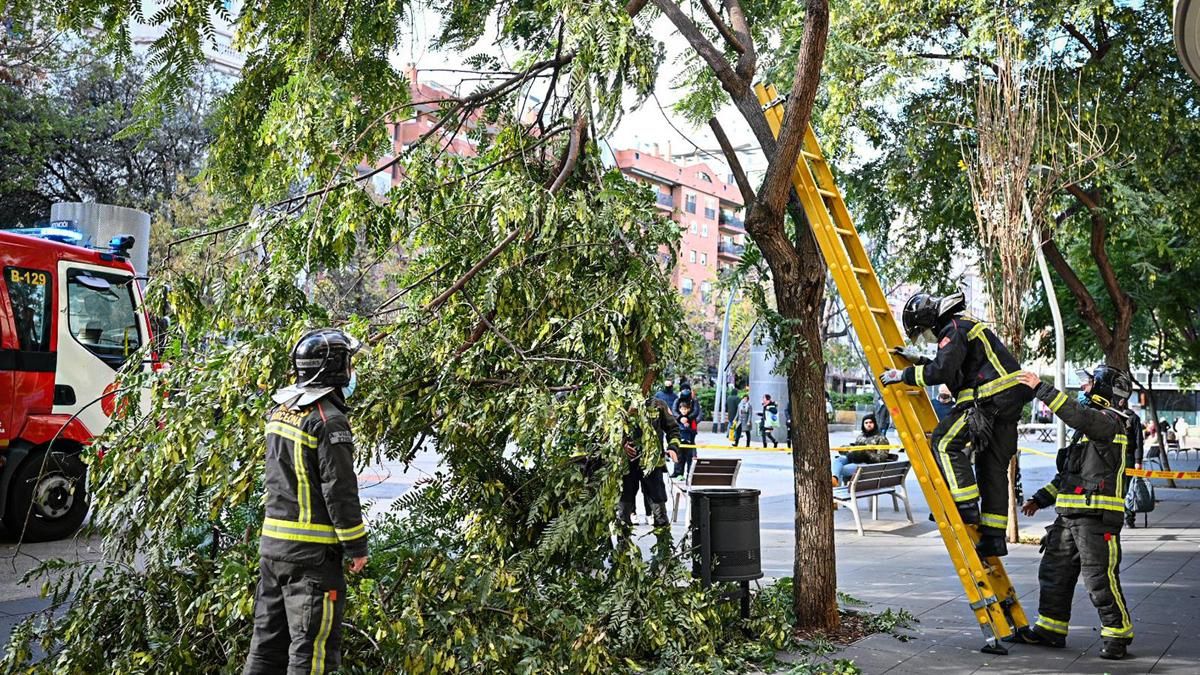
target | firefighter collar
x=295, y=396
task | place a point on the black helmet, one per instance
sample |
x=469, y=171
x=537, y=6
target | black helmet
x=322, y=358
x=1110, y=386
x=922, y=311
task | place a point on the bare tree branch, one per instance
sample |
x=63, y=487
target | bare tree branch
x=748, y=61
x=777, y=183
x=735, y=165
x=726, y=32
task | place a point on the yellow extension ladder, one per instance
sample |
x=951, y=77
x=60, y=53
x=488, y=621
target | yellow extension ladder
x=988, y=589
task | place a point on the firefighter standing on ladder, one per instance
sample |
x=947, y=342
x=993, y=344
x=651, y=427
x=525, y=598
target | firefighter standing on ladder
x=313, y=516
x=983, y=375
x=1088, y=492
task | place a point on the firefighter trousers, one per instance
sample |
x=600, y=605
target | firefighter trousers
x=297, y=618
x=987, y=479
x=1083, y=545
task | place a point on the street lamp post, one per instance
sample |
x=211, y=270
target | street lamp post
x=1060, y=341
x=723, y=365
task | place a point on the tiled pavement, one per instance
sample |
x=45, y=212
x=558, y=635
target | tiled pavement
x=895, y=565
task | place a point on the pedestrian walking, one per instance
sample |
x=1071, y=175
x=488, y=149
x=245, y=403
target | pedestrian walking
x=768, y=420
x=744, y=412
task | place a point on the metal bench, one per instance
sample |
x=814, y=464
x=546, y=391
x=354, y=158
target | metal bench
x=873, y=480
x=706, y=473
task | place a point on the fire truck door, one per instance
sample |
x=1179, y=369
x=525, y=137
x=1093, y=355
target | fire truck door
x=100, y=328
x=27, y=361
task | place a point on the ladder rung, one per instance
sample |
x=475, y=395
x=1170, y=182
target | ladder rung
x=826, y=193
x=812, y=155
x=843, y=231
x=860, y=270
x=880, y=310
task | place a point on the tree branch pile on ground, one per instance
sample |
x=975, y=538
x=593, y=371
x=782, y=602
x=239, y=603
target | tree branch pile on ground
x=530, y=313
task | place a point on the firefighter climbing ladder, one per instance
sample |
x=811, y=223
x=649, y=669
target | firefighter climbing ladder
x=988, y=589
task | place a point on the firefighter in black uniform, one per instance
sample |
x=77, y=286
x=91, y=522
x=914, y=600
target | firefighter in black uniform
x=647, y=465
x=313, y=516
x=983, y=375
x=1088, y=492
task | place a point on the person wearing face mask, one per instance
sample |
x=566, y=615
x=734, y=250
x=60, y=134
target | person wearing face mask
x=667, y=394
x=1088, y=494
x=313, y=514
x=983, y=376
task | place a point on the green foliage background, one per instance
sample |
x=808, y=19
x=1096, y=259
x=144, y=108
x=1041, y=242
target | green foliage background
x=502, y=561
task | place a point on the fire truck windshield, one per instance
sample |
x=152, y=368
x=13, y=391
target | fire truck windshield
x=103, y=316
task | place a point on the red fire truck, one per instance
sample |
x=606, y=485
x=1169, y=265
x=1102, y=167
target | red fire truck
x=70, y=317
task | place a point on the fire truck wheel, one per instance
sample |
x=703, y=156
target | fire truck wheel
x=47, y=497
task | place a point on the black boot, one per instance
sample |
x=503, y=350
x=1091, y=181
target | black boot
x=1113, y=650
x=992, y=546
x=1029, y=635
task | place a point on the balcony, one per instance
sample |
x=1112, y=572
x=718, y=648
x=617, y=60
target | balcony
x=710, y=213
x=730, y=221
x=664, y=199
x=734, y=250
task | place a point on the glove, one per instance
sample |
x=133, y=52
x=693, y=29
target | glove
x=911, y=355
x=891, y=377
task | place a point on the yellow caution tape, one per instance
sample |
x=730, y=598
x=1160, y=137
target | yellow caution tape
x=1031, y=451
x=782, y=448
x=1178, y=475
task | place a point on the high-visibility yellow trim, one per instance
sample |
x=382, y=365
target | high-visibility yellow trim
x=993, y=520
x=293, y=536
x=1102, y=502
x=292, y=433
x=967, y=494
x=318, y=658
x=1058, y=401
x=1051, y=489
x=351, y=533
x=294, y=525
x=1052, y=625
x=919, y=375
x=977, y=333
x=1126, y=629
x=300, y=440
x=943, y=456
x=1122, y=441
x=990, y=388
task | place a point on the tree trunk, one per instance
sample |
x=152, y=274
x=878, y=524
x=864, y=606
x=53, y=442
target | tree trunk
x=814, y=569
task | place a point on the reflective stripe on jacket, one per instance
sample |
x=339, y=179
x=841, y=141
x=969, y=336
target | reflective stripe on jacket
x=971, y=360
x=311, y=485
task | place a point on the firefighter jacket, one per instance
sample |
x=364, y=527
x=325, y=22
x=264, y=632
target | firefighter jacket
x=970, y=360
x=312, y=489
x=1091, y=470
x=659, y=418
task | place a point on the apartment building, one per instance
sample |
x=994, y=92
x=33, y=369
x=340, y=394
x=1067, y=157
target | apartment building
x=707, y=207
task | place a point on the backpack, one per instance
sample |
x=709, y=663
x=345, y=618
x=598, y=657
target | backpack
x=772, y=418
x=1140, y=497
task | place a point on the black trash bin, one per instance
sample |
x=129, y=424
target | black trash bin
x=725, y=535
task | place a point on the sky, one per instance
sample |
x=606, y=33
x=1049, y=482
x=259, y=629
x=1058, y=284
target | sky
x=653, y=122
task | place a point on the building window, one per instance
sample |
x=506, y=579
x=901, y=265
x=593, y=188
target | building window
x=637, y=155
x=703, y=259
x=706, y=291
x=693, y=255
x=690, y=203
x=704, y=177
x=710, y=209
x=703, y=229
x=693, y=228
x=685, y=286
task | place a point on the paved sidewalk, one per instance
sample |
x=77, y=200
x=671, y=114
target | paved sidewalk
x=895, y=565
